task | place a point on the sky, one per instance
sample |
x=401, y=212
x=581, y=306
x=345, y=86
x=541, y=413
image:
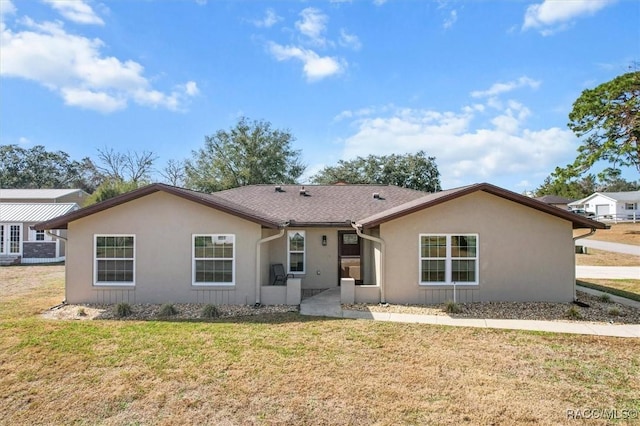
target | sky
x=485, y=87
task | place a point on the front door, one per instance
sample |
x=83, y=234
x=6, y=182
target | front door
x=349, y=256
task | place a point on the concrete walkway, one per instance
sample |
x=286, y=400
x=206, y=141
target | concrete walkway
x=609, y=246
x=327, y=304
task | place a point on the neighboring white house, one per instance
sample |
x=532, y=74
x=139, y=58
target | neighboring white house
x=611, y=205
x=21, y=208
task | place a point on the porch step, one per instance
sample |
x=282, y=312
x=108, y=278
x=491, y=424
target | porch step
x=9, y=260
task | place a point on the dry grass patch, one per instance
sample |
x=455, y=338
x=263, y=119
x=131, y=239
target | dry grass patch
x=595, y=257
x=288, y=369
x=625, y=233
x=627, y=285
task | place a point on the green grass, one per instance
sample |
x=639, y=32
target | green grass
x=290, y=369
x=615, y=287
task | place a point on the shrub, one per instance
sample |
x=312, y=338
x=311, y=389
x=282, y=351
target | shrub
x=81, y=312
x=574, y=313
x=604, y=297
x=452, y=307
x=167, y=310
x=614, y=312
x=210, y=311
x=123, y=309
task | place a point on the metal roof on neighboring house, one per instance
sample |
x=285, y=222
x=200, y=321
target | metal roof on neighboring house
x=34, y=212
x=30, y=194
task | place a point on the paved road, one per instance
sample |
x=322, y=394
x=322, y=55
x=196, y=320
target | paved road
x=608, y=246
x=608, y=272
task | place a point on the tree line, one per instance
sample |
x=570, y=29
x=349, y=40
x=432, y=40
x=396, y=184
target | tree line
x=253, y=152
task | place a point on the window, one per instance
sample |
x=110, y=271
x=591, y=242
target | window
x=213, y=259
x=631, y=206
x=114, y=260
x=14, y=239
x=295, y=249
x=447, y=259
x=39, y=235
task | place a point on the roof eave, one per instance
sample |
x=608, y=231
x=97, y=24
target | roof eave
x=62, y=222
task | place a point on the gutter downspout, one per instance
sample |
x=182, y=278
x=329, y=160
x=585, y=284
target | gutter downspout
x=579, y=237
x=383, y=298
x=51, y=234
x=258, y=260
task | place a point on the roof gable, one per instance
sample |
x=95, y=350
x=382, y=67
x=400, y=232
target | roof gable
x=434, y=199
x=628, y=196
x=209, y=200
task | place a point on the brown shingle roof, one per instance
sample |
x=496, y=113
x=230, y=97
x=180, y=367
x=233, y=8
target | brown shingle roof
x=322, y=205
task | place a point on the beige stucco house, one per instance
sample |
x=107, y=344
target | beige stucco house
x=162, y=244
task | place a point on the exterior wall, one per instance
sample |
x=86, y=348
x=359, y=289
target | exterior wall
x=39, y=250
x=524, y=254
x=163, y=225
x=321, y=269
x=616, y=209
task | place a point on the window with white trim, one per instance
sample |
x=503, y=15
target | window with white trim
x=448, y=259
x=296, y=252
x=214, y=259
x=631, y=206
x=114, y=260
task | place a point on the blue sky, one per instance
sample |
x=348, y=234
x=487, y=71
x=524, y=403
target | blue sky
x=484, y=86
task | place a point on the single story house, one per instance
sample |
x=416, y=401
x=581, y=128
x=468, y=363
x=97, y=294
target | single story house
x=21, y=208
x=21, y=244
x=160, y=244
x=611, y=205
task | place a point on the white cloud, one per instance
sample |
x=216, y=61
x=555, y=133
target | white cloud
x=313, y=25
x=74, y=67
x=6, y=8
x=499, y=88
x=448, y=22
x=23, y=141
x=464, y=153
x=553, y=15
x=349, y=40
x=270, y=19
x=77, y=11
x=315, y=67
x=379, y=2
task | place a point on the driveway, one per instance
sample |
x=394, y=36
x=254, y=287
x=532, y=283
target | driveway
x=608, y=272
x=608, y=246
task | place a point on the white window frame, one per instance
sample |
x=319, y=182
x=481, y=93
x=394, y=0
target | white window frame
x=303, y=251
x=448, y=268
x=194, y=259
x=631, y=206
x=95, y=262
x=33, y=235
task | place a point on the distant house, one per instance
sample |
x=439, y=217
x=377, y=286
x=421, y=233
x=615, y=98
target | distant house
x=611, y=205
x=160, y=244
x=21, y=208
x=555, y=200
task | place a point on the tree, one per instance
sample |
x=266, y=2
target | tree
x=416, y=171
x=110, y=188
x=247, y=154
x=608, y=117
x=173, y=172
x=38, y=168
x=133, y=167
x=555, y=184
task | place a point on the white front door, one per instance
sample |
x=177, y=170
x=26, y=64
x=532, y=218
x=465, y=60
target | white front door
x=10, y=238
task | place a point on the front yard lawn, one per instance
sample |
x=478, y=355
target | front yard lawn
x=626, y=288
x=290, y=369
